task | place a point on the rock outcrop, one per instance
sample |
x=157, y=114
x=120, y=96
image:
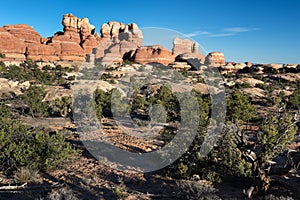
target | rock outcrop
x=11, y=46
x=14, y=87
x=185, y=53
x=79, y=42
x=215, y=59
x=251, y=81
x=20, y=42
x=117, y=39
x=180, y=66
x=187, y=47
x=152, y=54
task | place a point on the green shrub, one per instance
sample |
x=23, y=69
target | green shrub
x=23, y=146
x=242, y=85
x=103, y=103
x=276, y=132
x=168, y=100
x=33, y=98
x=294, y=99
x=61, y=107
x=30, y=71
x=239, y=107
x=2, y=65
x=225, y=158
x=262, y=86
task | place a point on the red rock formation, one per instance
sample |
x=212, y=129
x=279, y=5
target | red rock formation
x=24, y=32
x=78, y=39
x=215, y=59
x=11, y=46
x=41, y=52
x=117, y=39
x=89, y=43
x=153, y=54
x=20, y=42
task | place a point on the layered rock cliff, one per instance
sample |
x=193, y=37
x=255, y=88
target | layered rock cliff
x=116, y=40
x=79, y=42
x=21, y=42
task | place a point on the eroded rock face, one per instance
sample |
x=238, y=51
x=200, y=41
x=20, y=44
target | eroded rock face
x=187, y=47
x=117, y=39
x=153, y=54
x=216, y=59
x=76, y=25
x=23, y=32
x=20, y=42
x=11, y=46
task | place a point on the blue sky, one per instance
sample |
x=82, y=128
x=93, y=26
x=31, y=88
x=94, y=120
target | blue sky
x=259, y=31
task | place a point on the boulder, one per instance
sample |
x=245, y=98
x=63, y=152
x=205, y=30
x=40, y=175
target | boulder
x=187, y=58
x=274, y=66
x=238, y=66
x=228, y=67
x=86, y=29
x=249, y=64
x=153, y=54
x=113, y=29
x=7, y=86
x=105, y=30
x=291, y=66
x=180, y=65
x=215, y=59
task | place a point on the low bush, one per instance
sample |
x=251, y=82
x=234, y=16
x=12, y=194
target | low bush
x=23, y=146
x=294, y=99
x=26, y=175
x=30, y=71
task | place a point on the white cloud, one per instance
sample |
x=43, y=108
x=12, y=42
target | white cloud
x=233, y=31
x=196, y=33
x=221, y=35
x=240, y=29
x=226, y=32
